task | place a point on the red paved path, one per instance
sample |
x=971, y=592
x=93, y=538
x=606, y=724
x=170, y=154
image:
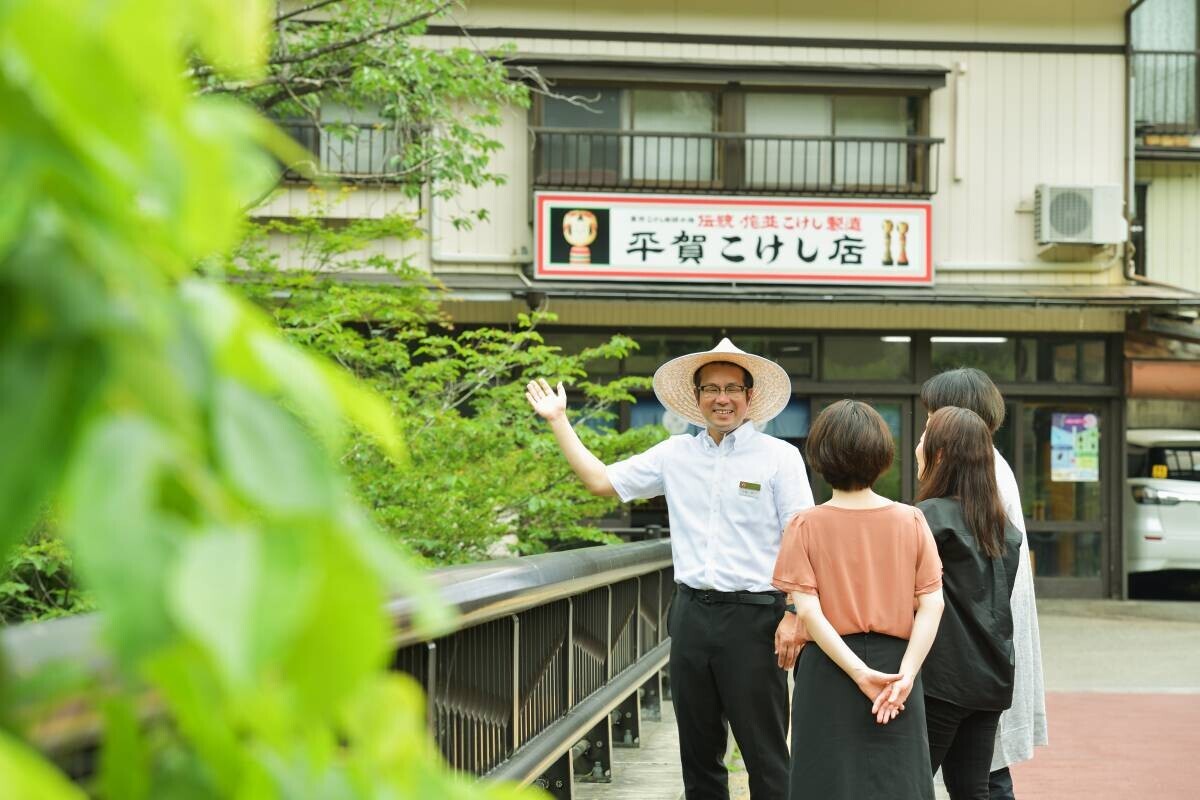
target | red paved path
x=1116, y=747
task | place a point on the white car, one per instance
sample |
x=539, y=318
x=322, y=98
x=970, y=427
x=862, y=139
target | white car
x=1162, y=518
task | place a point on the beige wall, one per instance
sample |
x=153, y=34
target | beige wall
x=1172, y=222
x=1044, y=21
x=1026, y=117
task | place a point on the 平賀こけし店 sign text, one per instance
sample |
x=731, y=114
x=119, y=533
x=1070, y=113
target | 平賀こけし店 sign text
x=730, y=239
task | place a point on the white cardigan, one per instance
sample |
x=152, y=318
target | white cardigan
x=1024, y=724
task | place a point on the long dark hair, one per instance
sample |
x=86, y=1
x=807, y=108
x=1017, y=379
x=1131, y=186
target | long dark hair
x=960, y=463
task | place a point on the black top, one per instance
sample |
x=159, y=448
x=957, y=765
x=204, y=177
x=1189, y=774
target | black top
x=971, y=661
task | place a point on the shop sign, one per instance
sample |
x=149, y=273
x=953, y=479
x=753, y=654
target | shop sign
x=639, y=237
x=1074, y=448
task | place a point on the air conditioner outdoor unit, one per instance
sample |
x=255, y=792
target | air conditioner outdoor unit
x=1078, y=215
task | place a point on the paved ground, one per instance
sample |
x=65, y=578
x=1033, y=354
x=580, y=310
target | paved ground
x=1123, y=697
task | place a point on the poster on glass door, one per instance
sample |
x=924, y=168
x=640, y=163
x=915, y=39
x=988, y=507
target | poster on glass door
x=1074, y=448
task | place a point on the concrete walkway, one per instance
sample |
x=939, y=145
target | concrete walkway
x=1123, y=697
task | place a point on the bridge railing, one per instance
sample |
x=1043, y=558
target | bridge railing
x=554, y=661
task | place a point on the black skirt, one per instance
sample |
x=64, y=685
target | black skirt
x=839, y=752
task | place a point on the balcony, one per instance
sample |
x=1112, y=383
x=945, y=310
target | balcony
x=362, y=152
x=734, y=163
x=1165, y=103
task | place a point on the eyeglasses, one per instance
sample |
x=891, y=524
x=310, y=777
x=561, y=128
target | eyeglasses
x=730, y=390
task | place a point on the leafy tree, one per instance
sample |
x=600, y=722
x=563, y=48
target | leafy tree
x=188, y=447
x=484, y=469
x=481, y=471
x=346, y=65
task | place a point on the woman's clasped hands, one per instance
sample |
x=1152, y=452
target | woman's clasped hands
x=886, y=691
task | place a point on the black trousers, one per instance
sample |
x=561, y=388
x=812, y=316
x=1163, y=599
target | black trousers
x=1000, y=785
x=961, y=742
x=724, y=675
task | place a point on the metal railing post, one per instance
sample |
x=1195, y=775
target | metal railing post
x=516, y=681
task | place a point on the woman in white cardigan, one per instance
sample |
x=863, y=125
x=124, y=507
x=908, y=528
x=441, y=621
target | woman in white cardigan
x=1023, y=726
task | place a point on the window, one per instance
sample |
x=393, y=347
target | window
x=589, y=158
x=1182, y=463
x=599, y=370
x=1024, y=359
x=1063, y=361
x=866, y=358
x=697, y=138
x=796, y=354
x=355, y=143
x=995, y=355
x=654, y=157
x=773, y=162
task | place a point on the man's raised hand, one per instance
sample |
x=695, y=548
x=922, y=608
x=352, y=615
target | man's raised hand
x=549, y=405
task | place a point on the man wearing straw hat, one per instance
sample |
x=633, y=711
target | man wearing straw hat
x=730, y=490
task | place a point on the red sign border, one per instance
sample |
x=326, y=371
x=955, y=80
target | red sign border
x=542, y=271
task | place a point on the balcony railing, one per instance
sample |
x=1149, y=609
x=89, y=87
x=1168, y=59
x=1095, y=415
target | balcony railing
x=1165, y=91
x=741, y=163
x=360, y=152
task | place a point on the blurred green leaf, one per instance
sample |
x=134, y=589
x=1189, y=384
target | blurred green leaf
x=123, y=541
x=26, y=775
x=345, y=637
x=266, y=454
x=234, y=33
x=244, y=596
x=124, y=769
x=39, y=422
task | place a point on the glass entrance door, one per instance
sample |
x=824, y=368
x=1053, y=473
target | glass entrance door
x=1061, y=472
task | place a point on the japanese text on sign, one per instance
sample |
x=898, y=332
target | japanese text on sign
x=635, y=237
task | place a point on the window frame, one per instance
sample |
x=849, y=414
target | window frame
x=730, y=118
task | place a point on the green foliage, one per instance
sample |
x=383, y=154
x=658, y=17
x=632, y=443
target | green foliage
x=189, y=449
x=484, y=468
x=39, y=582
x=352, y=64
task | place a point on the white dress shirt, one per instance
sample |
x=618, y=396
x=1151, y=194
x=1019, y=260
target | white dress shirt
x=1023, y=725
x=728, y=504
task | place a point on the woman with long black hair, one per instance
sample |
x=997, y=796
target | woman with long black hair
x=968, y=674
x=1023, y=726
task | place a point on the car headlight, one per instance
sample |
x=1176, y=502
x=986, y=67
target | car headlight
x=1148, y=495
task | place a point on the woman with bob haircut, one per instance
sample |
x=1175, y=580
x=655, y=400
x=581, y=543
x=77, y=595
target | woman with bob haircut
x=855, y=567
x=1024, y=724
x=968, y=674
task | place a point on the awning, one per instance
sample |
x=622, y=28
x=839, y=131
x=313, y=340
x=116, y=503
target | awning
x=1126, y=297
x=796, y=74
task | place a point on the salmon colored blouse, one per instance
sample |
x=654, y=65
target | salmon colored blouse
x=866, y=565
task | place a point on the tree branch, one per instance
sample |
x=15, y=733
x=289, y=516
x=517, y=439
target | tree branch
x=310, y=85
x=310, y=7
x=357, y=40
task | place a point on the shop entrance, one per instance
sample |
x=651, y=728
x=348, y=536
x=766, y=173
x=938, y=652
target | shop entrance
x=1058, y=452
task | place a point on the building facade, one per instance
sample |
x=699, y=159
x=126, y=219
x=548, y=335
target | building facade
x=869, y=194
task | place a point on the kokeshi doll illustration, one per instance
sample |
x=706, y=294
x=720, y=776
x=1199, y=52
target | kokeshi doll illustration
x=887, y=242
x=579, y=229
x=903, y=229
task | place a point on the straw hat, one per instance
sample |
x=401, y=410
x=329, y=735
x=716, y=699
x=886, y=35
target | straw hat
x=772, y=386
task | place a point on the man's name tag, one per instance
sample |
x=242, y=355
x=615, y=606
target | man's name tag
x=748, y=489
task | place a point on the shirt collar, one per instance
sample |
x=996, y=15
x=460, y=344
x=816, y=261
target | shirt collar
x=742, y=434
